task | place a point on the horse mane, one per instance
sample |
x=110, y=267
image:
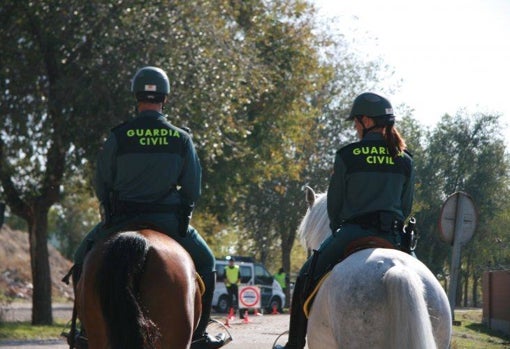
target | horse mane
x=314, y=227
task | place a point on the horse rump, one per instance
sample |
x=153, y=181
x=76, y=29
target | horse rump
x=118, y=281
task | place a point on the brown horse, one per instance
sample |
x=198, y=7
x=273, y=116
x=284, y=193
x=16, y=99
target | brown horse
x=138, y=290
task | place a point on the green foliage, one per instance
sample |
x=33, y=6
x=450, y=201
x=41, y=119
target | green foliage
x=462, y=153
x=265, y=91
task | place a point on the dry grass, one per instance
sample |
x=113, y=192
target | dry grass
x=472, y=334
x=15, y=273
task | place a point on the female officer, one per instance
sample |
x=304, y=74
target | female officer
x=370, y=194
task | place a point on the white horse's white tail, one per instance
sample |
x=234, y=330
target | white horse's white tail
x=406, y=299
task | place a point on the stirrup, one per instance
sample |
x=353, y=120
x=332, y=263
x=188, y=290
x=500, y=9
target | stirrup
x=278, y=346
x=222, y=338
x=80, y=341
x=209, y=342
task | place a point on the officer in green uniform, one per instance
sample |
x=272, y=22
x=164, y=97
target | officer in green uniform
x=149, y=175
x=370, y=194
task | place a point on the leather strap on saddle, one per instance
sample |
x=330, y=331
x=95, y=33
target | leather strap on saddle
x=367, y=242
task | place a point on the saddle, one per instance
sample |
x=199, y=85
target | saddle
x=354, y=246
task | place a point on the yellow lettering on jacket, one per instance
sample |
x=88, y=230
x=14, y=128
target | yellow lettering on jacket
x=374, y=155
x=156, y=136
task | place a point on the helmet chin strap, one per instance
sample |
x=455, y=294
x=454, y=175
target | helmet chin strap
x=365, y=129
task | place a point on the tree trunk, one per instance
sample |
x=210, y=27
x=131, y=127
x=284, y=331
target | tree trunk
x=475, y=290
x=466, y=281
x=40, y=266
x=286, y=250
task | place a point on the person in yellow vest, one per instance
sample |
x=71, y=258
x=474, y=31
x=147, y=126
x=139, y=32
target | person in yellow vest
x=232, y=279
x=283, y=280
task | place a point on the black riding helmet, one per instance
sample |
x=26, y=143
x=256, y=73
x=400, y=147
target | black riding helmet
x=150, y=84
x=373, y=106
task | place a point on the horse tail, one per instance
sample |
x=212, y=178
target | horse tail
x=118, y=280
x=412, y=327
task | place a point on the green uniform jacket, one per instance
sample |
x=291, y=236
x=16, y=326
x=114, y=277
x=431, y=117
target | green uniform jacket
x=367, y=179
x=148, y=160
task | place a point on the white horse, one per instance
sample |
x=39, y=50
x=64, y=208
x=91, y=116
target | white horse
x=376, y=298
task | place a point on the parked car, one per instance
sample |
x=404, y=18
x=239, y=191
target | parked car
x=252, y=273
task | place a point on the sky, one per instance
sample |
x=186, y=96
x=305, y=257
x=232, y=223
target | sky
x=450, y=54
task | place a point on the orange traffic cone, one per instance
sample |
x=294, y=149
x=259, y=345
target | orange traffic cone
x=231, y=314
x=245, y=317
x=275, y=310
x=227, y=324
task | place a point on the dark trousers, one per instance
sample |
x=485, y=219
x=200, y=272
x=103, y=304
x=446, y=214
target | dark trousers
x=233, y=293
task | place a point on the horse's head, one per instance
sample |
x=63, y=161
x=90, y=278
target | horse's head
x=314, y=227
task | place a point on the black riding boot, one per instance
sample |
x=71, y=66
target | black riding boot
x=298, y=320
x=76, y=339
x=201, y=339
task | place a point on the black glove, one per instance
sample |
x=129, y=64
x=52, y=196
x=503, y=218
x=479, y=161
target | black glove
x=184, y=219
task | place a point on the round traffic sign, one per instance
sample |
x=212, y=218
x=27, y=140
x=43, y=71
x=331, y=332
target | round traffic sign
x=249, y=297
x=458, y=218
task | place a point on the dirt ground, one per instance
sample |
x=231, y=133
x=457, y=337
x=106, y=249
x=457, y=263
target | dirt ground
x=259, y=332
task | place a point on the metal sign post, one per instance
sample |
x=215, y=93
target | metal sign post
x=457, y=225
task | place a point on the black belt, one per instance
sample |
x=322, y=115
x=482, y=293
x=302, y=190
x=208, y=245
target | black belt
x=383, y=221
x=132, y=207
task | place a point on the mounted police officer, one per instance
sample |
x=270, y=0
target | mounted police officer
x=370, y=195
x=149, y=176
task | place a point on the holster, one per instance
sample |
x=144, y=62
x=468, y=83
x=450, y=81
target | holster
x=185, y=211
x=109, y=207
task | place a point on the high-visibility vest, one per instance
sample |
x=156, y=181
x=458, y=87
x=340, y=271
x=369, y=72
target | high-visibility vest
x=232, y=275
x=280, y=278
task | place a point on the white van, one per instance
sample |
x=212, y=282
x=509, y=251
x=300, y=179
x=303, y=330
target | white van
x=252, y=273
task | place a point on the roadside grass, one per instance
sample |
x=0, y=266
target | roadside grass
x=25, y=331
x=472, y=334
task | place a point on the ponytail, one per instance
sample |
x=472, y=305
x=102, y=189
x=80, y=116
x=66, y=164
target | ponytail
x=394, y=141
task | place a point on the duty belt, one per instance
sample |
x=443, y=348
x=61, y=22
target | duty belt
x=132, y=207
x=383, y=221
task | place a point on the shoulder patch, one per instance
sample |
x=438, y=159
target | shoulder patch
x=185, y=129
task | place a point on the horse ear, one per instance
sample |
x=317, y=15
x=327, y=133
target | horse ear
x=310, y=196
